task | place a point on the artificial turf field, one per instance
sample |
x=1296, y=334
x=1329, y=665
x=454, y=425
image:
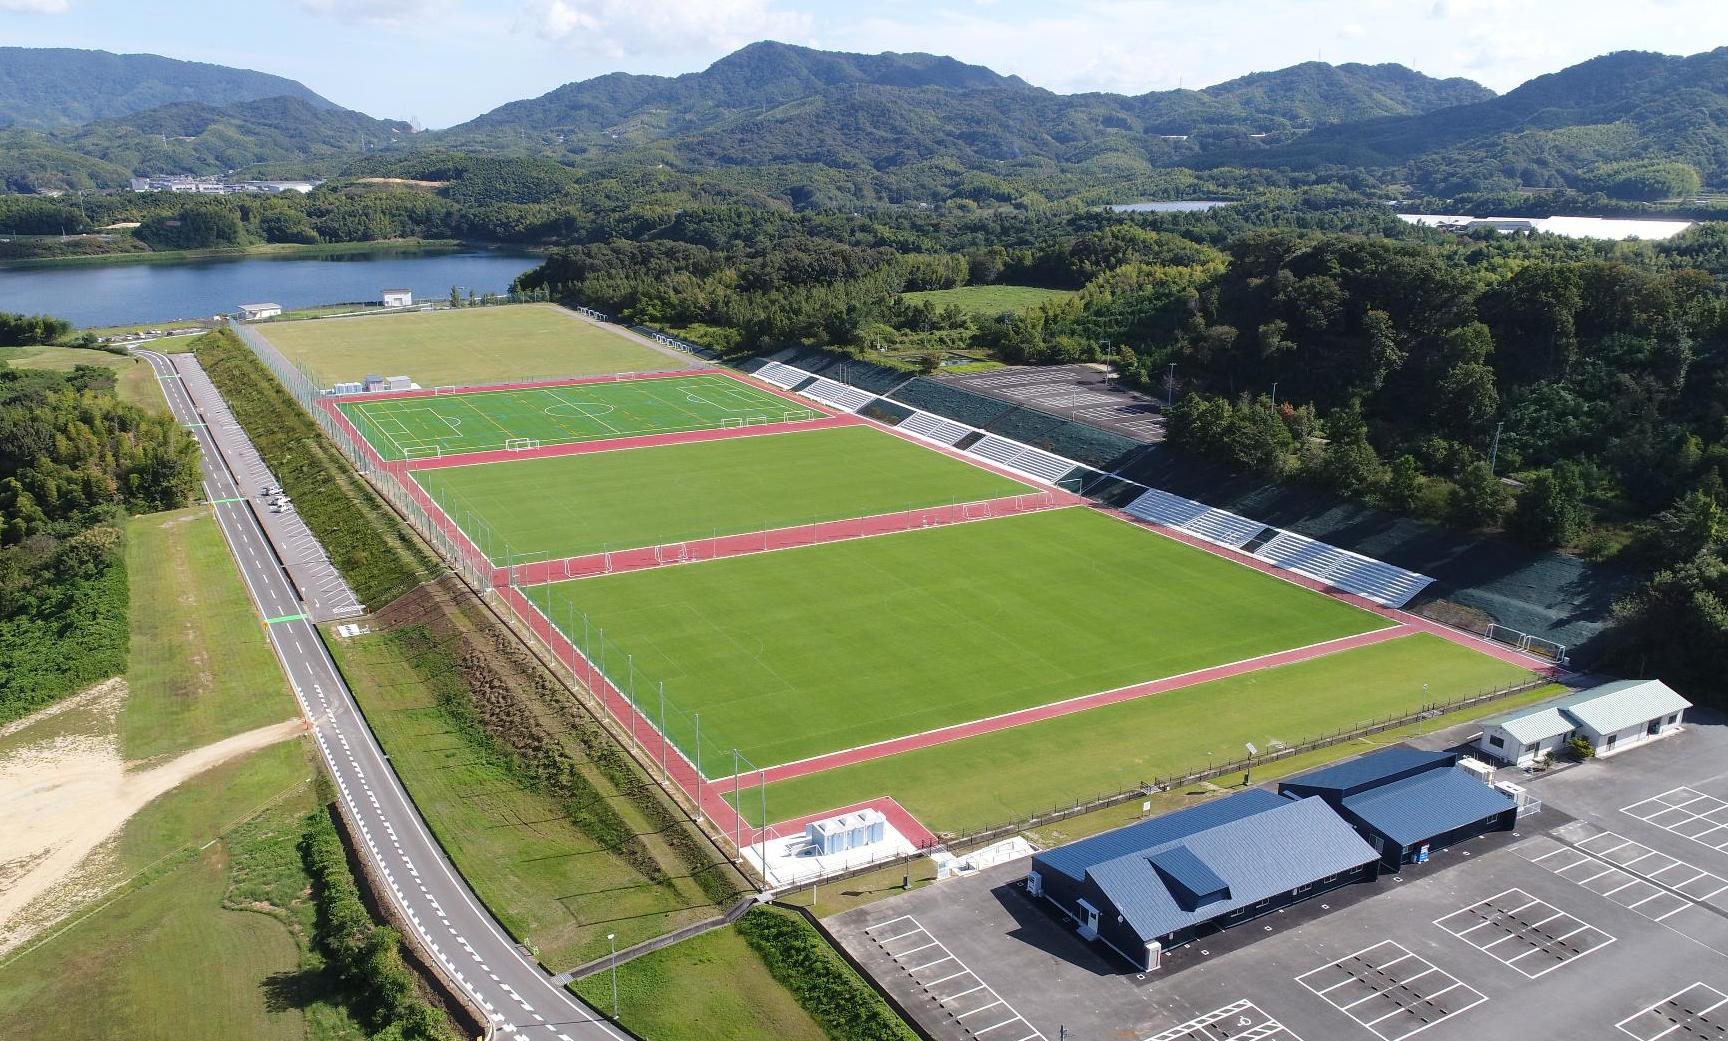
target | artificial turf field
x=480, y=421
x=572, y=505
x=463, y=347
x=795, y=653
x=1008, y=774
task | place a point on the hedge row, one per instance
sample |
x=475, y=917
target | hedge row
x=364, y=956
x=825, y=986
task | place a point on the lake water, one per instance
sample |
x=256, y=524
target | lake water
x=1184, y=206
x=127, y=294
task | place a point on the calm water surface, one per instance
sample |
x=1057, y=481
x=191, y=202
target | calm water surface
x=125, y=294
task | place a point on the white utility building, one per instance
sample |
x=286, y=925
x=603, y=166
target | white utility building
x=398, y=297
x=847, y=831
x=1612, y=717
x=254, y=312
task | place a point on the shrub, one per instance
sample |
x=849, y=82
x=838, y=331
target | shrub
x=823, y=984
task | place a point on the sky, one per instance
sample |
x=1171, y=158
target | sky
x=445, y=61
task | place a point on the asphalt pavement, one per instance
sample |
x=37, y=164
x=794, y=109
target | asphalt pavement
x=501, y=978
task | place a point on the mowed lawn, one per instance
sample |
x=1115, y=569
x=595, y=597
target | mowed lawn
x=794, y=653
x=571, y=505
x=1028, y=769
x=987, y=300
x=462, y=347
x=451, y=424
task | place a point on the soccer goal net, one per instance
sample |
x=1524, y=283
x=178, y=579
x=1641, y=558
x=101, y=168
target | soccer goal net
x=444, y=390
x=418, y=451
x=517, y=444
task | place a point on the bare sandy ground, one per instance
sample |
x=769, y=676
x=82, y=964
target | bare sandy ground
x=63, y=797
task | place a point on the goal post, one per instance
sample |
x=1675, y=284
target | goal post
x=421, y=451
x=520, y=444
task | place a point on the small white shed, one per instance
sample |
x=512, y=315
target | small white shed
x=398, y=297
x=847, y=831
x=254, y=312
x=1612, y=717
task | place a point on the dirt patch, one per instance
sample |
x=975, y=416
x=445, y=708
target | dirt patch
x=63, y=797
x=114, y=689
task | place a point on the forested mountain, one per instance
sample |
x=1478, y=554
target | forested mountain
x=57, y=86
x=193, y=138
x=776, y=103
x=1567, y=128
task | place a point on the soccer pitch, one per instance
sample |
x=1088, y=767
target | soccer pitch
x=792, y=654
x=480, y=421
x=461, y=347
x=1038, y=765
x=572, y=505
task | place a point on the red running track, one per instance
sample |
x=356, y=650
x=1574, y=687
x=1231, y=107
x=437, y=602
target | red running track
x=618, y=444
x=1083, y=703
x=747, y=543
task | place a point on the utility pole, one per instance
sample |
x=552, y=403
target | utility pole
x=1170, y=388
x=612, y=938
x=1494, y=450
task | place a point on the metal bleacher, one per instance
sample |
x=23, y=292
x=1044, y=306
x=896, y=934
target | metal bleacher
x=935, y=428
x=1019, y=457
x=1376, y=580
x=837, y=394
x=784, y=376
x=1195, y=518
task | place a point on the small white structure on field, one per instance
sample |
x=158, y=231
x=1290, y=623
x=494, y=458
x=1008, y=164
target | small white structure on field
x=846, y=832
x=398, y=297
x=1612, y=717
x=254, y=312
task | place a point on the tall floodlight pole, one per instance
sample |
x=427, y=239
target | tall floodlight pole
x=762, y=823
x=698, y=716
x=1170, y=388
x=663, y=774
x=1494, y=450
x=612, y=938
x=631, y=659
x=737, y=813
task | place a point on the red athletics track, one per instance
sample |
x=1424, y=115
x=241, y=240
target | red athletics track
x=617, y=444
x=645, y=557
x=1415, y=621
x=991, y=724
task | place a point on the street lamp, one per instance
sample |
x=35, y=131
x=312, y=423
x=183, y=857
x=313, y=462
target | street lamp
x=612, y=938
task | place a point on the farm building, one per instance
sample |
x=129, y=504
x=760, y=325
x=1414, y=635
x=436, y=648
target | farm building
x=1407, y=802
x=1612, y=717
x=254, y=312
x=1159, y=883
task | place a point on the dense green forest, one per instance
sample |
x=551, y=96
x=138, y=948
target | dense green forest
x=74, y=460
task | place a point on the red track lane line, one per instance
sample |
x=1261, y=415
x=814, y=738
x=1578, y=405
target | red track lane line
x=1415, y=621
x=619, y=444
x=591, y=565
x=1083, y=703
x=556, y=381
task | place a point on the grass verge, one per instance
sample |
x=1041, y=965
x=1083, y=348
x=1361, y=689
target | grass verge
x=711, y=987
x=134, y=380
x=199, y=668
x=374, y=552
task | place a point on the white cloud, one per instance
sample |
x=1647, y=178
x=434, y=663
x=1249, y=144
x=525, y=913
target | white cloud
x=620, y=28
x=378, y=12
x=36, y=6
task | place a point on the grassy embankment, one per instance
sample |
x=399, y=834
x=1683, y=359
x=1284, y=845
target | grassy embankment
x=379, y=559
x=207, y=929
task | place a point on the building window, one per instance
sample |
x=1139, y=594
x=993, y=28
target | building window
x=1303, y=888
x=1496, y=741
x=1675, y=718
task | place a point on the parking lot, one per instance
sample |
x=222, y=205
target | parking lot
x=1084, y=393
x=1586, y=922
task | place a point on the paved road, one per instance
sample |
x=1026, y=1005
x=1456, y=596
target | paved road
x=520, y=998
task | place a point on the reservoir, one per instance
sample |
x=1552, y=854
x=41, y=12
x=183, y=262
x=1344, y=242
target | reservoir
x=132, y=293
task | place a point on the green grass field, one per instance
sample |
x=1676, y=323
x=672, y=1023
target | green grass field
x=570, y=505
x=135, y=381
x=711, y=987
x=199, y=668
x=794, y=653
x=466, y=346
x=1034, y=767
x=987, y=300
x=451, y=424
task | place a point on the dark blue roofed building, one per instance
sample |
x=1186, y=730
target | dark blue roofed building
x=1154, y=885
x=1406, y=801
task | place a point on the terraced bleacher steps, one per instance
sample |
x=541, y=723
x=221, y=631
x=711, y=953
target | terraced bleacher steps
x=935, y=428
x=839, y=395
x=1022, y=459
x=782, y=376
x=1196, y=518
